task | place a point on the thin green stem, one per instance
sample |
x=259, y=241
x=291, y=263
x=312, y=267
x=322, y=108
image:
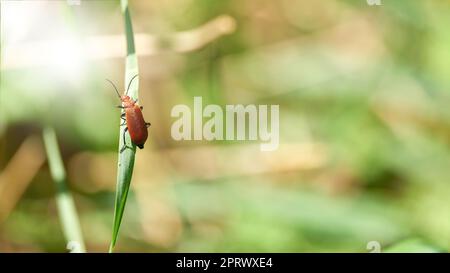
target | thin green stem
x=64, y=201
x=127, y=156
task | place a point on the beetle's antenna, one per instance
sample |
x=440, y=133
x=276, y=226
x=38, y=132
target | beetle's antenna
x=130, y=83
x=118, y=94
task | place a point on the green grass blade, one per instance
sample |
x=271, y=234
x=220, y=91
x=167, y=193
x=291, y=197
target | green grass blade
x=64, y=201
x=126, y=158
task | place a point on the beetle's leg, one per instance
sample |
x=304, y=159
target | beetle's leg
x=120, y=106
x=124, y=119
x=124, y=142
x=148, y=124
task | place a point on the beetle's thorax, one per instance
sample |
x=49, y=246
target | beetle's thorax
x=127, y=102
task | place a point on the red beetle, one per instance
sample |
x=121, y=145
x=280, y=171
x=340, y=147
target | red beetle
x=133, y=118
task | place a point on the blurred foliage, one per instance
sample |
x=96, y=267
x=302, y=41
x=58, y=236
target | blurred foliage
x=413, y=246
x=364, y=126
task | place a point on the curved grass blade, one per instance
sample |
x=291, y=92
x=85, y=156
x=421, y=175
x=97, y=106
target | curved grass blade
x=64, y=201
x=126, y=158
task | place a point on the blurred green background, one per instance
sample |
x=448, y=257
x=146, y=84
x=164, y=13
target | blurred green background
x=364, y=124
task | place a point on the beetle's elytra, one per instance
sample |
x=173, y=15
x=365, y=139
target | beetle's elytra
x=133, y=119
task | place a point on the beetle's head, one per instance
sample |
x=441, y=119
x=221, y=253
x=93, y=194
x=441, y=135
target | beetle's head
x=125, y=98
